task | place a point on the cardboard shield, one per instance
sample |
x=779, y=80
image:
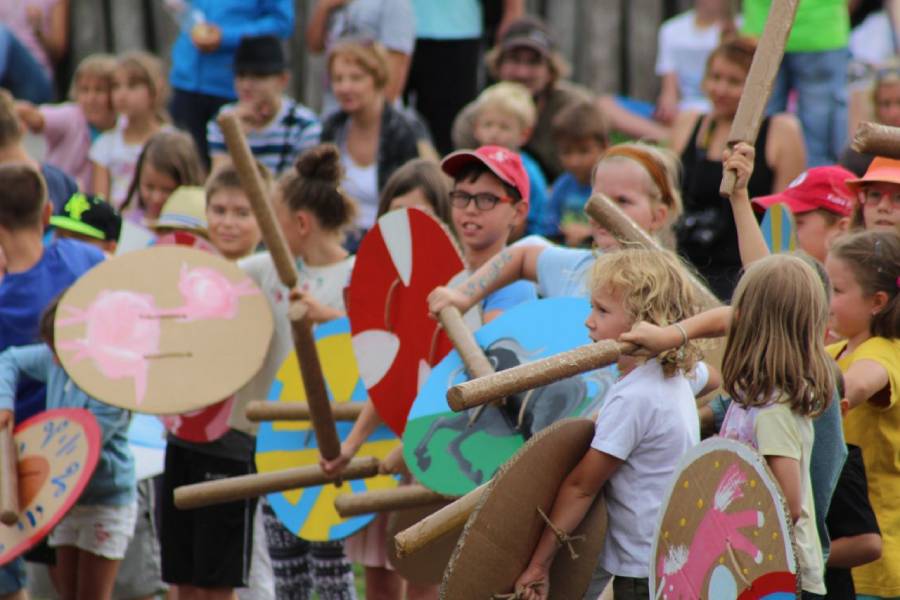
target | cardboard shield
x=310, y=512
x=499, y=538
x=779, y=229
x=164, y=330
x=724, y=532
x=406, y=255
x=426, y=567
x=57, y=451
x=447, y=454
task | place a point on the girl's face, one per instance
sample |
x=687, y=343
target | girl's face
x=353, y=86
x=850, y=311
x=233, y=229
x=723, y=85
x=412, y=199
x=93, y=96
x=608, y=318
x=887, y=103
x=626, y=183
x=154, y=187
x=880, y=205
x=130, y=96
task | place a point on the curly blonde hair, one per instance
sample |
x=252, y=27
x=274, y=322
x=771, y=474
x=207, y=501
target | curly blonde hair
x=654, y=286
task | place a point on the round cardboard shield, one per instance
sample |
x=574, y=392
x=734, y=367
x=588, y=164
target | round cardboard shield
x=426, y=567
x=724, y=532
x=57, y=451
x=395, y=341
x=164, y=330
x=447, y=454
x=310, y=512
x=779, y=229
x=499, y=538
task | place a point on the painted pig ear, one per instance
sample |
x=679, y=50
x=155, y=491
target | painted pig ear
x=375, y=351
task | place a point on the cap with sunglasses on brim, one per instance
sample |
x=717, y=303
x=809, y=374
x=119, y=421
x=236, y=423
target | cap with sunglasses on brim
x=89, y=216
x=529, y=32
x=502, y=162
x=259, y=55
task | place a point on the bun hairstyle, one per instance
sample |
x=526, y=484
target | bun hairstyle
x=314, y=185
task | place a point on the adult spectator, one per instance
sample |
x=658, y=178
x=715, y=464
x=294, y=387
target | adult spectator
x=815, y=66
x=527, y=53
x=707, y=235
x=444, y=72
x=388, y=22
x=202, y=77
x=34, y=36
x=374, y=137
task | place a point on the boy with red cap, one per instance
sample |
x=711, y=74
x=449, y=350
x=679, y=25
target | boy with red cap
x=821, y=203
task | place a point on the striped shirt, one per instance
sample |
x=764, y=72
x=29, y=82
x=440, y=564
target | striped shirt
x=294, y=129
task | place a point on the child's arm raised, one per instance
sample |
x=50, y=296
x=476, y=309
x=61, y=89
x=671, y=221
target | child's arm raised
x=508, y=266
x=574, y=499
x=751, y=243
x=654, y=339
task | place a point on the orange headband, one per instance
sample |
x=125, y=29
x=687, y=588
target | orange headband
x=650, y=164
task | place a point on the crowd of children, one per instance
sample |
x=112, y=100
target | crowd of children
x=810, y=376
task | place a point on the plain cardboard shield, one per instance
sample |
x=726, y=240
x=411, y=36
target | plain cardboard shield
x=724, y=532
x=499, y=538
x=164, y=330
x=406, y=255
x=451, y=456
x=309, y=512
x=426, y=567
x=57, y=453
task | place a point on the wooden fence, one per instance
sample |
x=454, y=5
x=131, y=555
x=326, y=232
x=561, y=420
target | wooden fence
x=611, y=44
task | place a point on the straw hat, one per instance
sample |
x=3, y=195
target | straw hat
x=185, y=209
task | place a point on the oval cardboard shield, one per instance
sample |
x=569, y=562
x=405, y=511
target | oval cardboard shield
x=57, y=453
x=310, y=512
x=451, y=456
x=724, y=532
x=164, y=330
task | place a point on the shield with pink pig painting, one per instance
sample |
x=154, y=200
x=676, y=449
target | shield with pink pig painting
x=165, y=330
x=724, y=533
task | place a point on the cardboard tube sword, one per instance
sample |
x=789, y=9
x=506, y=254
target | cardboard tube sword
x=301, y=327
x=760, y=80
x=406, y=496
x=453, y=516
x=471, y=354
x=880, y=140
x=264, y=410
x=9, y=478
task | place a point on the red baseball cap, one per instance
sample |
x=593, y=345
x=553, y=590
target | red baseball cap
x=502, y=162
x=818, y=187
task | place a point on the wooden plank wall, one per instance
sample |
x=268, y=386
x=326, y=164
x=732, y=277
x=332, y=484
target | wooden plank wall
x=611, y=44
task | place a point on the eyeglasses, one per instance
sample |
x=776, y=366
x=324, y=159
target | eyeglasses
x=873, y=197
x=483, y=200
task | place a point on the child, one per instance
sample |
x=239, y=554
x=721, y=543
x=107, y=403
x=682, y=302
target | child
x=89, y=219
x=168, y=160
x=233, y=229
x=35, y=274
x=69, y=128
x=821, y=203
x=647, y=422
x=865, y=271
x=580, y=133
x=504, y=116
x=278, y=128
x=878, y=195
x=91, y=539
x=139, y=93
x=184, y=210
x=419, y=183
x=777, y=371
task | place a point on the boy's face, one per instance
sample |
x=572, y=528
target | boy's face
x=496, y=128
x=260, y=95
x=881, y=205
x=815, y=232
x=232, y=226
x=93, y=96
x=526, y=66
x=480, y=230
x=578, y=157
x=625, y=183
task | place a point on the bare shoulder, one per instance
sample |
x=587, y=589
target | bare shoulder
x=681, y=130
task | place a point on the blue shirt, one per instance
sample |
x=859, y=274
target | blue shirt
x=60, y=186
x=509, y=296
x=23, y=297
x=567, y=201
x=113, y=480
x=539, y=218
x=212, y=73
x=564, y=272
x=448, y=19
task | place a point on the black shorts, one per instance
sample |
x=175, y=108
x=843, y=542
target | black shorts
x=211, y=546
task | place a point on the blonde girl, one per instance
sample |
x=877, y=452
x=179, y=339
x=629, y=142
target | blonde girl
x=653, y=397
x=864, y=269
x=139, y=94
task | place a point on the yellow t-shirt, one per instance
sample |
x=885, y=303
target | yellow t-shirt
x=876, y=430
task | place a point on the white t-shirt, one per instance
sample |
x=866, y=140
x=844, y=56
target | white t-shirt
x=649, y=421
x=683, y=50
x=361, y=183
x=325, y=284
x=110, y=151
x=872, y=41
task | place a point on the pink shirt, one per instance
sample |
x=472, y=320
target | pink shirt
x=14, y=16
x=68, y=141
